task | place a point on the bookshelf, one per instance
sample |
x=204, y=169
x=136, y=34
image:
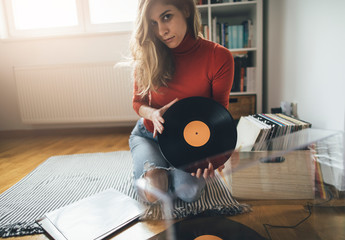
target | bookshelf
x=217, y=16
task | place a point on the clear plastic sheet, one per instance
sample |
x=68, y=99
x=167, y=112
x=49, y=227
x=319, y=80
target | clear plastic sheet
x=295, y=166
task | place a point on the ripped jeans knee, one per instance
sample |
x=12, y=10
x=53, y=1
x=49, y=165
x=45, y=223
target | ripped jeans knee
x=154, y=185
x=147, y=157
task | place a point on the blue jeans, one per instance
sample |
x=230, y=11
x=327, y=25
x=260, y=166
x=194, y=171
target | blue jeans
x=147, y=156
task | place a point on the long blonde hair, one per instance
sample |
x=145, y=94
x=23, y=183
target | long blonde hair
x=154, y=65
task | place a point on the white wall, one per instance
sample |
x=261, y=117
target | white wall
x=306, y=59
x=94, y=48
x=3, y=30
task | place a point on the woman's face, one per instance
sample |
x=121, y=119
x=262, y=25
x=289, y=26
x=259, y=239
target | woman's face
x=168, y=23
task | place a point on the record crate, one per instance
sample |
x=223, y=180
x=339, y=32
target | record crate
x=242, y=105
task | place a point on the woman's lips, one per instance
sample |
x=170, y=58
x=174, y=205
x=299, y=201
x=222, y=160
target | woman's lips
x=168, y=40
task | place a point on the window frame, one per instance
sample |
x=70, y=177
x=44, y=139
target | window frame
x=84, y=27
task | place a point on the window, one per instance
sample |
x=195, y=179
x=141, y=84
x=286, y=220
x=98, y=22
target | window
x=36, y=14
x=110, y=11
x=30, y=18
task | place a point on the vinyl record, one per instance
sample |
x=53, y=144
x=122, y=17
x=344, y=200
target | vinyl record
x=210, y=228
x=197, y=131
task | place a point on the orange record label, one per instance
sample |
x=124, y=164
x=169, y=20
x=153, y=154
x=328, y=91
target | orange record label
x=207, y=237
x=196, y=133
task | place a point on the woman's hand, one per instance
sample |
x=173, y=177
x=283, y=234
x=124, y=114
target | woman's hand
x=157, y=119
x=208, y=172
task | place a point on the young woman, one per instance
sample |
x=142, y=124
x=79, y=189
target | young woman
x=172, y=62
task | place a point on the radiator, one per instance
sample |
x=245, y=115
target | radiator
x=75, y=93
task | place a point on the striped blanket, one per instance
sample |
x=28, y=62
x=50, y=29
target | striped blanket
x=62, y=180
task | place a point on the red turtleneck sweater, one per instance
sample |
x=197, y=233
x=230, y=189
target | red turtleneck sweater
x=202, y=68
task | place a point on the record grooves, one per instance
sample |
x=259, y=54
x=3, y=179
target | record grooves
x=210, y=228
x=197, y=130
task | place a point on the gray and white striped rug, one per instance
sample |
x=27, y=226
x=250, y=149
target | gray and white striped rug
x=62, y=180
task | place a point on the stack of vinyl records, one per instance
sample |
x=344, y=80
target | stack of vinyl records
x=257, y=132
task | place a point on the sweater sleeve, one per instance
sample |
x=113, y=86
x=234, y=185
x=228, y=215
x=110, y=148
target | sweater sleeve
x=223, y=77
x=138, y=100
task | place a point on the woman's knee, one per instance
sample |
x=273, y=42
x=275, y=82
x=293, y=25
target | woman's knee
x=187, y=187
x=190, y=191
x=156, y=183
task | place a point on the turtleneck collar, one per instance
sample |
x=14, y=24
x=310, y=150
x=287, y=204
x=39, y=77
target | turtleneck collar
x=187, y=45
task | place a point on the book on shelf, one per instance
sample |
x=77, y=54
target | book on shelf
x=239, y=63
x=250, y=79
x=214, y=29
x=256, y=131
x=240, y=38
x=233, y=36
x=228, y=1
x=248, y=33
x=244, y=74
x=201, y=2
x=223, y=34
x=206, y=32
x=233, y=40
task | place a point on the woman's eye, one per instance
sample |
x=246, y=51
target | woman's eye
x=153, y=23
x=166, y=17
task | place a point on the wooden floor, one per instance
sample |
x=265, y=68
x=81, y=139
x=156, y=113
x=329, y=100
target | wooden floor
x=21, y=152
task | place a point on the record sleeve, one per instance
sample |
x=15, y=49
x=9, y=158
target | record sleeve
x=92, y=218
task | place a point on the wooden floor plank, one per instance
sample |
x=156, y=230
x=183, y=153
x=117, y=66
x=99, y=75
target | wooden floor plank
x=20, y=153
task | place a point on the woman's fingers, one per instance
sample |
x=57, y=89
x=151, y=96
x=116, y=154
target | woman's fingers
x=158, y=120
x=210, y=170
x=163, y=109
x=221, y=168
x=159, y=125
x=171, y=103
x=154, y=133
x=198, y=173
x=206, y=173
